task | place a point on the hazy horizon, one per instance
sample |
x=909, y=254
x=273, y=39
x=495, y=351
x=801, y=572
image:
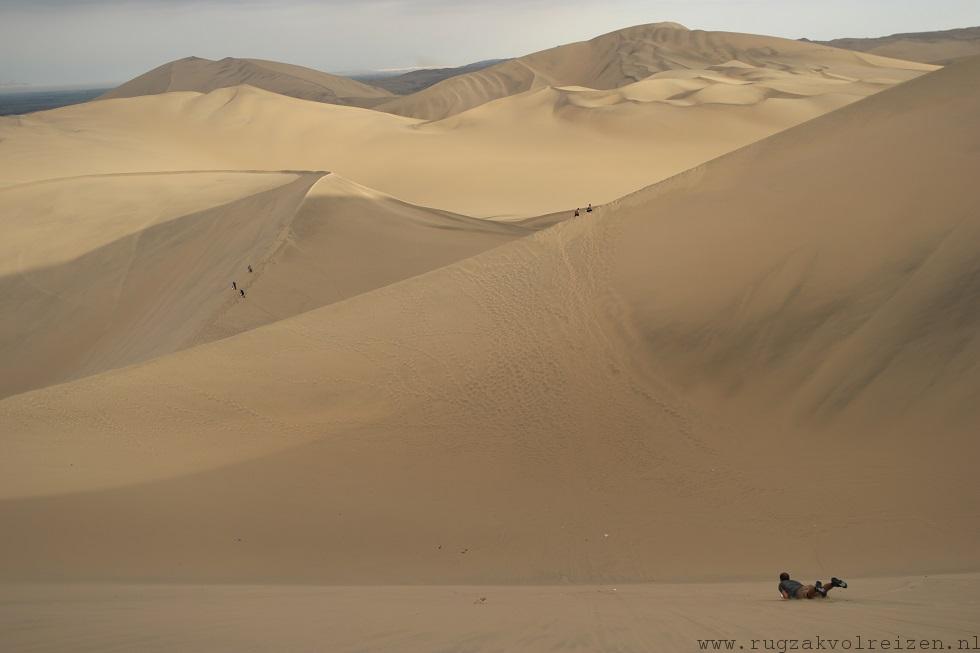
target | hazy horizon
x=58, y=43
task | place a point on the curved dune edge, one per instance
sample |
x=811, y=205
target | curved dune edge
x=114, y=270
x=654, y=50
x=729, y=369
x=590, y=124
x=114, y=278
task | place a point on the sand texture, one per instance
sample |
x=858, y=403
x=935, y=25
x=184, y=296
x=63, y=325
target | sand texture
x=766, y=344
x=448, y=416
x=631, y=55
x=583, y=619
x=668, y=100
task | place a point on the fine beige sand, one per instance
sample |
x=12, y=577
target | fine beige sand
x=561, y=142
x=941, y=47
x=100, y=272
x=204, y=75
x=423, y=430
x=631, y=55
x=942, y=610
x=769, y=358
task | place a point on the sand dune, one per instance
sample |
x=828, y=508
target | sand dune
x=634, y=54
x=102, y=272
x=770, y=357
x=204, y=75
x=542, y=151
x=97, y=274
x=345, y=240
x=941, y=47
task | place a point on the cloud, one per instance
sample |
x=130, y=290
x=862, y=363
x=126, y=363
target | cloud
x=71, y=41
x=347, y=4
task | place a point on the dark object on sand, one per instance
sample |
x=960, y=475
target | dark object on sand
x=791, y=589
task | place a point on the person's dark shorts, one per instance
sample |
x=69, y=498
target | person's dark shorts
x=804, y=592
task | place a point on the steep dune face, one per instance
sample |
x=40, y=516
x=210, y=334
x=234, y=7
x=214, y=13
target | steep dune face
x=858, y=302
x=771, y=357
x=97, y=275
x=942, y=47
x=634, y=54
x=204, y=75
x=346, y=240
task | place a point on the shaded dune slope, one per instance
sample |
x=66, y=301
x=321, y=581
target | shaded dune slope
x=119, y=280
x=154, y=274
x=417, y=80
x=699, y=381
x=347, y=239
x=858, y=304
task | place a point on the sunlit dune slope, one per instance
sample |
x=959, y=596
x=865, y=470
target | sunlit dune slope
x=347, y=239
x=541, y=151
x=631, y=55
x=771, y=357
x=204, y=75
x=101, y=272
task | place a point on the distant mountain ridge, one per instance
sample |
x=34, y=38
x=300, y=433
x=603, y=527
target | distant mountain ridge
x=205, y=75
x=942, y=47
x=418, y=80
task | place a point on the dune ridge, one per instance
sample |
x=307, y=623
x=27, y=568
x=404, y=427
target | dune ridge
x=105, y=279
x=114, y=280
x=609, y=141
x=717, y=358
x=631, y=55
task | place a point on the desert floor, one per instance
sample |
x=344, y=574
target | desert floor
x=623, y=618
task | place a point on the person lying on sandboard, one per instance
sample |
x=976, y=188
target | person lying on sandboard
x=791, y=589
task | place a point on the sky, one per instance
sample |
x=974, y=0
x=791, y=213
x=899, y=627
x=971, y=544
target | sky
x=65, y=42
